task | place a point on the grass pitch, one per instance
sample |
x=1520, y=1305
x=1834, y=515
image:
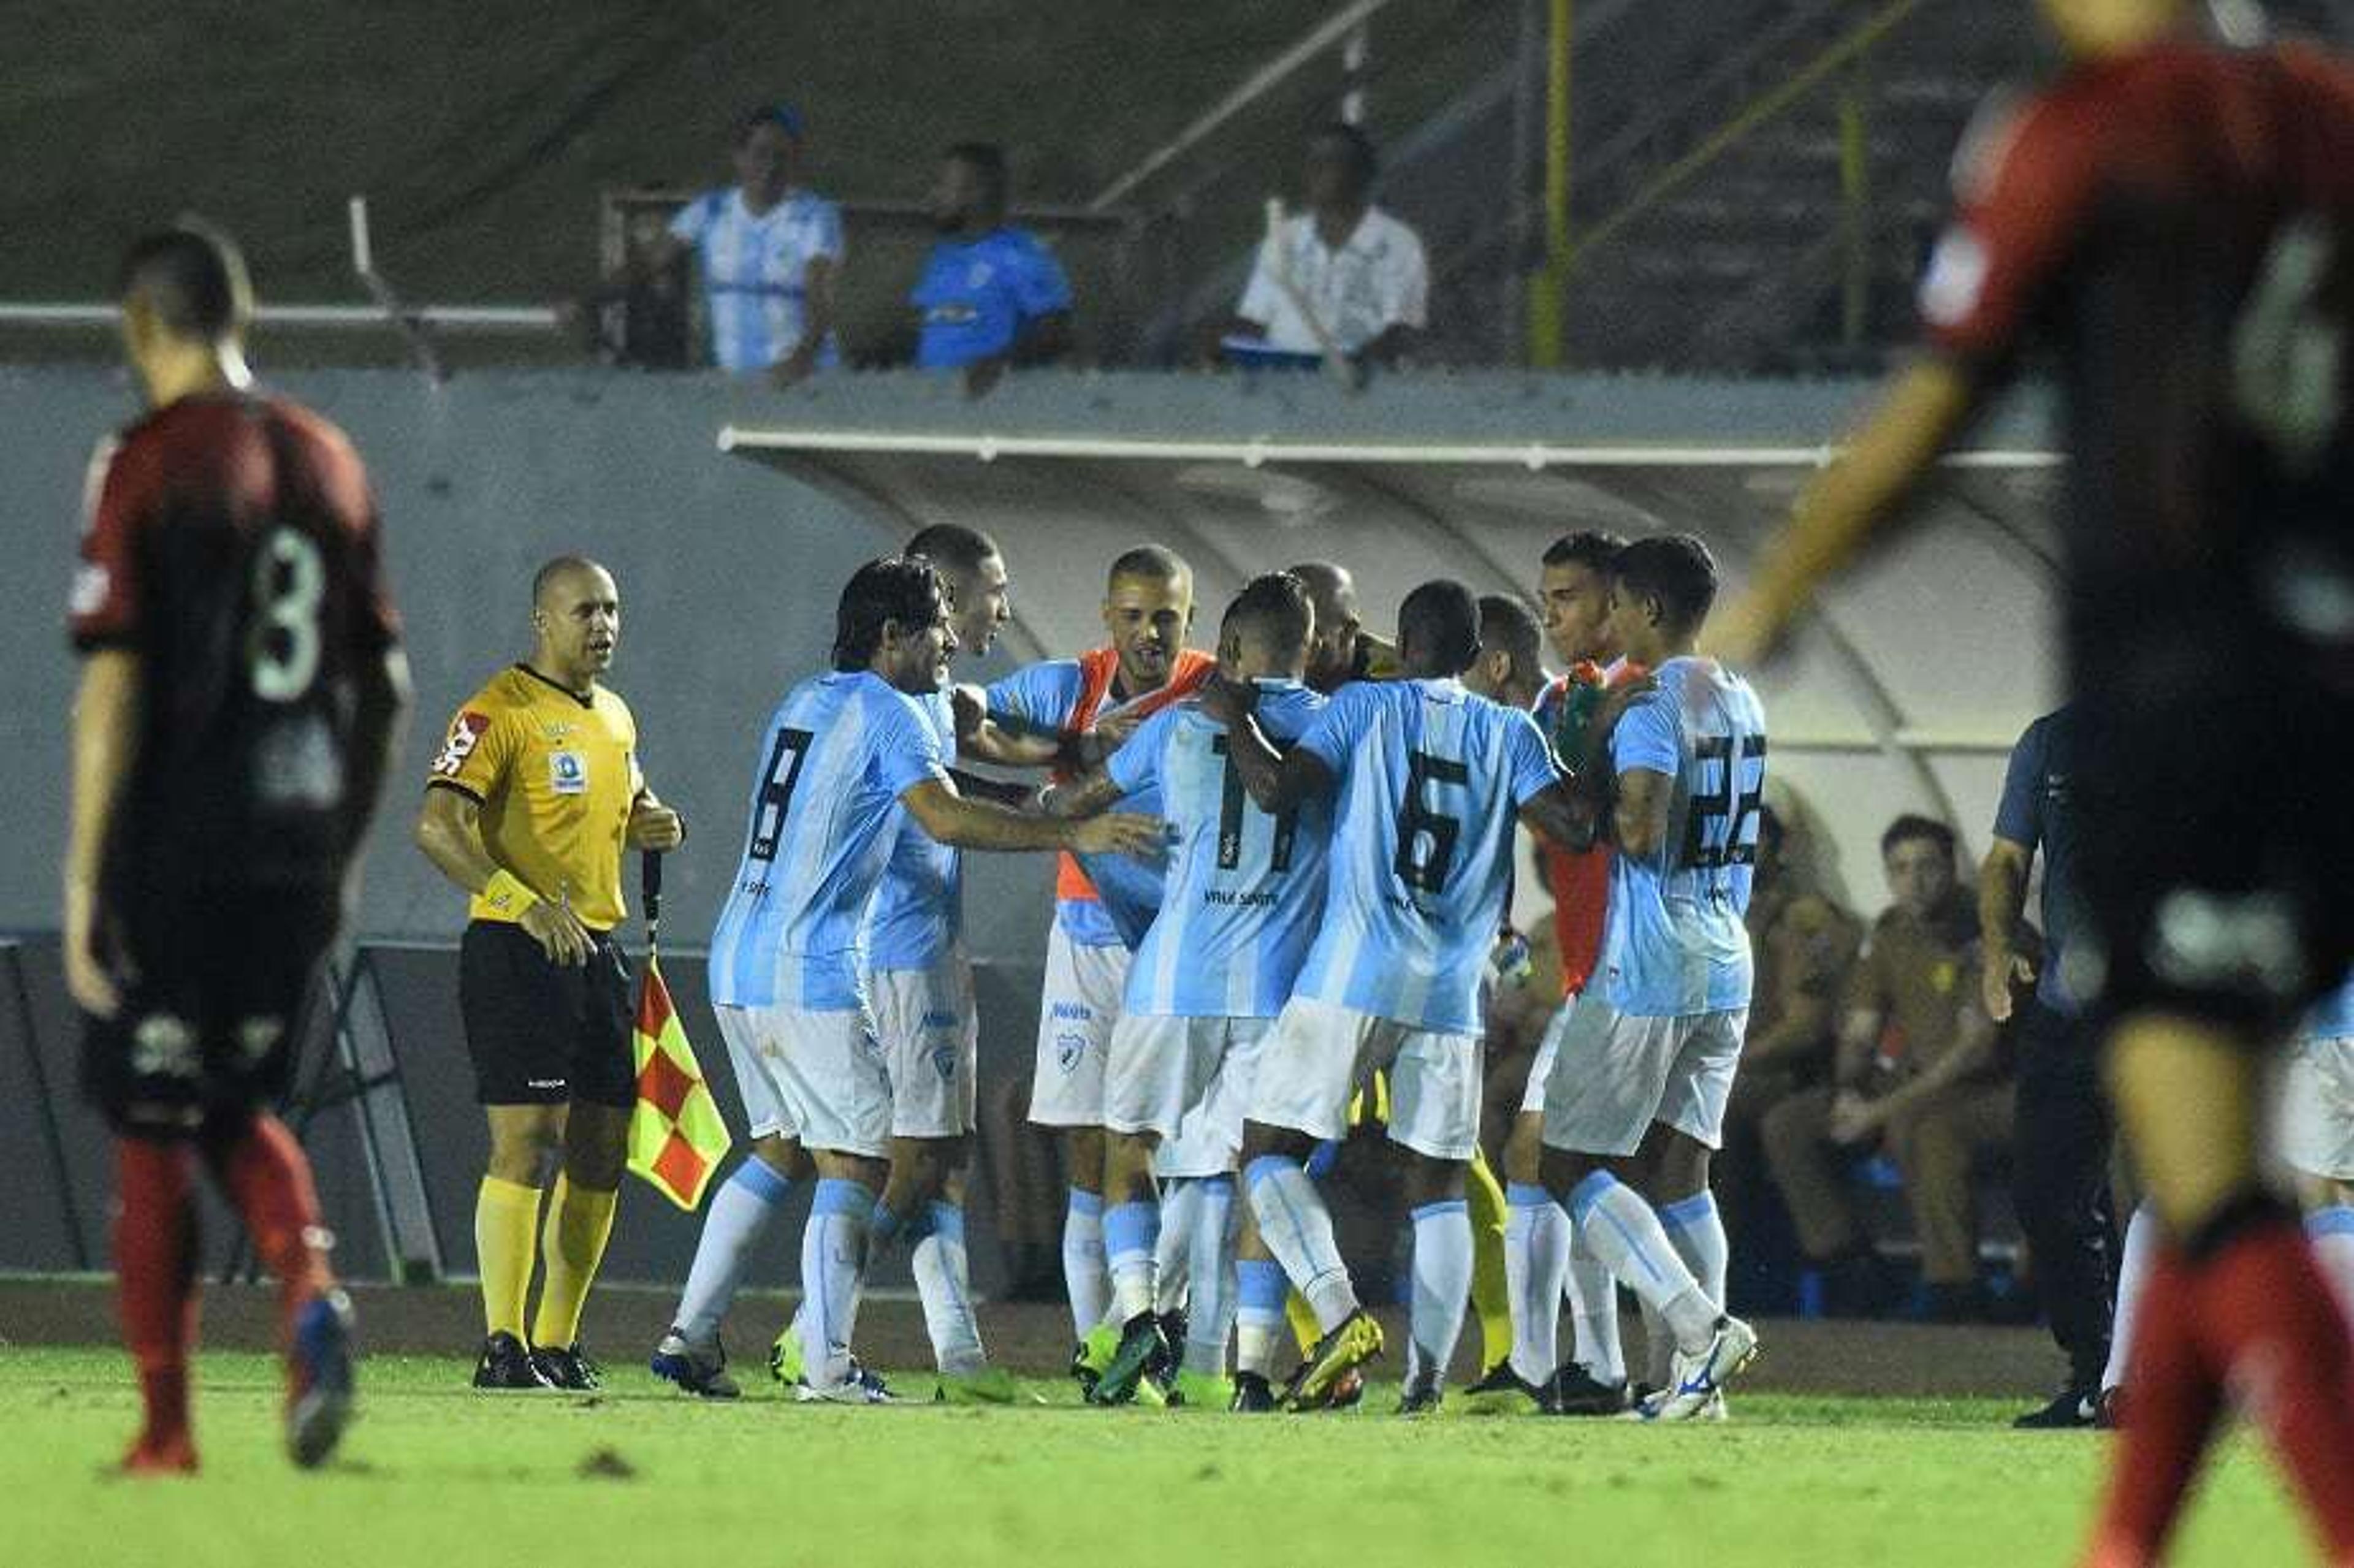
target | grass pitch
x=435, y=1475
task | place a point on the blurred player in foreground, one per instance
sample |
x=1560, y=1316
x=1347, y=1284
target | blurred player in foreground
x=2173, y=216
x=241, y=683
x=841, y=757
x=528, y=805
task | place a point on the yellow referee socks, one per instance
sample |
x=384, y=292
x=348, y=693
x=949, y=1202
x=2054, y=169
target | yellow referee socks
x=1491, y=1292
x=506, y=1221
x=571, y=1244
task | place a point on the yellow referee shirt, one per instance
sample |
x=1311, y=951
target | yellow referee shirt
x=556, y=775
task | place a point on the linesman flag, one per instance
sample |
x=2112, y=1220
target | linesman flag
x=677, y=1137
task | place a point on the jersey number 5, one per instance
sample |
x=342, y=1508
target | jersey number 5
x=777, y=782
x=1427, y=836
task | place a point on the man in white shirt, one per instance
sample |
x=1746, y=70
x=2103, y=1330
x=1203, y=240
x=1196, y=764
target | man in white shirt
x=1358, y=281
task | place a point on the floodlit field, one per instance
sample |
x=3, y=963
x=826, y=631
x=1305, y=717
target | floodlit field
x=435, y=1475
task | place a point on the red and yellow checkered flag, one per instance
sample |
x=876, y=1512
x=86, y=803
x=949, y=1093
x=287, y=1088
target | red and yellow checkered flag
x=677, y=1137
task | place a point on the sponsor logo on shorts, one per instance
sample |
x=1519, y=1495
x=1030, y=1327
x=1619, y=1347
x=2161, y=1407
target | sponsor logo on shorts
x=543, y=1083
x=944, y=1062
x=465, y=734
x=1071, y=1013
x=165, y=1046
x=568, y=772
x=939, y=1019
x=1070, y=1050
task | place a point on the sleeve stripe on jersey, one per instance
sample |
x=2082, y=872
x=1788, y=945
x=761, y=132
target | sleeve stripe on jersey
x=468, y=790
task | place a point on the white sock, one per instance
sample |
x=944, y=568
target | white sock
x=1297, y=1229
x=1594, y=1312
x=1131, y=1232
x=1697, y=1232
x=1536, y=1262
x=2332, y=1230
x=2140, y=1251
x=1210, y=1314
x=833, y=1259
x=1180, y=1202
x=943, y=1284
x=740, y=1212
x=1442, y=1283
x=1259, y=1325
x=1083, y=1261
x=1621, y=1231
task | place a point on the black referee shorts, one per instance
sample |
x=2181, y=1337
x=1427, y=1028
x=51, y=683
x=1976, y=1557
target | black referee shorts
x=208, y=1030
x=542, y=1033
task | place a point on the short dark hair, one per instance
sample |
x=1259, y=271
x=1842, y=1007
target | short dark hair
x=783, y=116
x=192, y=276
x=1441, y=618
x=1275, y=608
x=1361, y=154
x=903, y=588
x=1674, y=568
x=551, y=570
x=986, y=159
x=1152, y=562
x=1770, y=825
x=1505, y=622
x=1910, y=826
x=1595, y=550
x=954, y=545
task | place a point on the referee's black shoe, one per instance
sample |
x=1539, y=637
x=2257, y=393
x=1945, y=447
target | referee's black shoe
x=567, y=1367
x=1253, y=1394
x=506, y=1367
x=1574, y=1390
x=2071, y=1408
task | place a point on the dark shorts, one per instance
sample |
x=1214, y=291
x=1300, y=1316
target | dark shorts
x=544, y=1033
x=214, y=1013
x=2218, y=845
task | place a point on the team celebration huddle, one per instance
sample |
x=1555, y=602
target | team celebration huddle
x=1286, y=878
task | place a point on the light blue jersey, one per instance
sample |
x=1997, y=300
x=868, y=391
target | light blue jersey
x=1675, y=944
x=1422, y=846
x=2332, y=1017
x=919, y=909
x=836, y=756
x=1245, y=890
x=755, y=272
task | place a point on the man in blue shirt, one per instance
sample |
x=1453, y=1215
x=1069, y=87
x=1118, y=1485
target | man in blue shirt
x=2060, y=1163
x=1645, y=1057
x=991, y=294
x=848, y=757
x=1425, y=779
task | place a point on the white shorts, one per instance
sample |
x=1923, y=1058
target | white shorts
x=1187, y=1080
x=1613, y=1076
x=931, y=1045
x=816, y=1077
x=1076, y=1013
x=2315, y=1127
x=1318, y=1055
x=1533, y=1092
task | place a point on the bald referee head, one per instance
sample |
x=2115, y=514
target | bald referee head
x=576, y=621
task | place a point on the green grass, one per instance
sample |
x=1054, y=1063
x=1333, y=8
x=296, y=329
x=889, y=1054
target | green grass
x=436, y=1475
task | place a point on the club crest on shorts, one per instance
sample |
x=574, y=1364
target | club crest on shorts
x=944, y=1062
x=1070, y=1049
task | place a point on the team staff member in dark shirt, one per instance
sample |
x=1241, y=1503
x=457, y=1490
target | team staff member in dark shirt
x=527, y=806
x=241, y=683
x=2172, y=216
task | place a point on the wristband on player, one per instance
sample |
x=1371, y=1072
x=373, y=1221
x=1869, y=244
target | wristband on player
x=506, y=892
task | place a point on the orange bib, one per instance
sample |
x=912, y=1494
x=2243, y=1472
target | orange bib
x=1097, y=668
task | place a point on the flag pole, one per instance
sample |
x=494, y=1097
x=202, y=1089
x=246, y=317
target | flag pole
x=650, y=895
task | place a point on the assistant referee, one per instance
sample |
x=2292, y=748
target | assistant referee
x=528, y=804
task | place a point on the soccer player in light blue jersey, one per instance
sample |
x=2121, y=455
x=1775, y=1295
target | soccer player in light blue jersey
x=1644, y=1059
x=1244, y=892
x=847, y=759
x=1424, y=779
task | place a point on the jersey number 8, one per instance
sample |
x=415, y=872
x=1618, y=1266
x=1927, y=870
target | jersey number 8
x=281, y=649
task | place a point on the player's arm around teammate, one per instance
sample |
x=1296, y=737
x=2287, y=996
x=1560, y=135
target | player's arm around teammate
x=530, y=802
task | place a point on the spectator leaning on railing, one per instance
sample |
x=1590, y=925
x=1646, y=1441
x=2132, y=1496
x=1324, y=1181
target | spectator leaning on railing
x=1917, y=1077
x=991, y=294
x=1343, y=274
x=769, y=251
